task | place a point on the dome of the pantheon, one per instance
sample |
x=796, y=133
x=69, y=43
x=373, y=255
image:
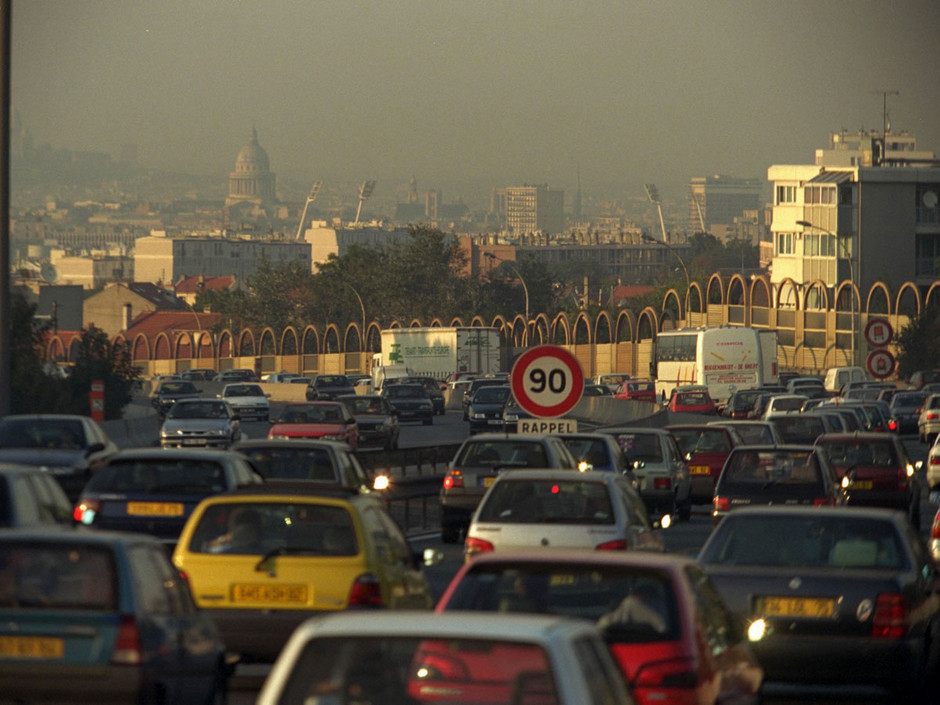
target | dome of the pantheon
x=252, y=159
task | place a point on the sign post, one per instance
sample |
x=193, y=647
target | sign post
x=547, y=381
x=96, y=400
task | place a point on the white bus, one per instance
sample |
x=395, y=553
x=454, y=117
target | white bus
x=723, y=359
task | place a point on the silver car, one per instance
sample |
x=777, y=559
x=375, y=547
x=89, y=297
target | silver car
x=561, y=509
x=928, y=425
x=247, y=399
x=662, y=476
x=207, y=423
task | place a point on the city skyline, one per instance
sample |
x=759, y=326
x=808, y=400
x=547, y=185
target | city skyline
x=457, y=93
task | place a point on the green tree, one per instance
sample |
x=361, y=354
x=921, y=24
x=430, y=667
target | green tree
x=98, y=359
x=32, y=390
x=917, y=343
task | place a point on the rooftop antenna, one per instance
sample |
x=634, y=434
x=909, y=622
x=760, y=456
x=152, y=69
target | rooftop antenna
x=884, y=120
x=653, y=194
x=365, y=190
x=317, y=185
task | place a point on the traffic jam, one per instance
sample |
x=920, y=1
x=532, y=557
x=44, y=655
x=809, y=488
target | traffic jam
x=720, y=532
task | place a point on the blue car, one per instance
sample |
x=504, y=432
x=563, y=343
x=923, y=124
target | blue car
x=102, y=617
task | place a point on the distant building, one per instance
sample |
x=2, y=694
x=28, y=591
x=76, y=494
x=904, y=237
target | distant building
x=117, y=304
x=252, y=184
x=324, y=240
x=61, y=305
x=189, y=288
x=716, y=201
x=864, y=148
x=90, y=271
x=531, y=209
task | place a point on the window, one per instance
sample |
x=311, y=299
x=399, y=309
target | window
x=786, y=194
x=784, y=243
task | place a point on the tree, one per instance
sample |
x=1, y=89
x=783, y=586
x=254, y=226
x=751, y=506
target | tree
x=917, y=346
x=98, y=359
x=32, y=390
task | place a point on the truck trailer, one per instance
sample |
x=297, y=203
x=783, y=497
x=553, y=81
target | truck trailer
x=439, y=352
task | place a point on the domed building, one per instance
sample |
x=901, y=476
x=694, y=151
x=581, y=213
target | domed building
x=252, y=183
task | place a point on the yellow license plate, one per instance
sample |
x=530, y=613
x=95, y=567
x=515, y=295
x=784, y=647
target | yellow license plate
x=155, y=509
x=808, y=607
x=32, y=647
x=287, y=594
x=860, y=485
x=487, y=481
x=699, y=470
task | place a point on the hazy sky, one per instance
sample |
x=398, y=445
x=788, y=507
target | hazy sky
x=500, y=91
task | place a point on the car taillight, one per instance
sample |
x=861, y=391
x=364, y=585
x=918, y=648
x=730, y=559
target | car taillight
x=662, y=483
x=935, y=459
x=366, y=592
x=473, y=546
x=932, y=415
x=86, y=510
x=721, y=504
x=127, y=644
x=453, y=479
x=674, y=673
x=822, y=501
x=616, y=545
x=892, y=425
x=890, y=620
x=440, y=666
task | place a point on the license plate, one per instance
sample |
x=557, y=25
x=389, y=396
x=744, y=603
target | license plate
x=808, y=607
x=287, y=594
x=155, y=509
x=487, y=481
x=32, y=647
x=494, y=422
x=860, y=485
x=194, y=441
x=699, y=470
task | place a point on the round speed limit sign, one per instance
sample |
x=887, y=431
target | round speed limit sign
x=547, y=381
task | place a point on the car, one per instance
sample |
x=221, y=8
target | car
x=328, y=420
x=30, y=496
x=905, y=409
x=596, y=390
x=324, y=462
x=153, y=491
x=376, y=418
x=834, y=422
x=875, y=470
x=637, y=390
x=852, y=418
x=247, y=400
x=612, y=380
x=759, y=406
x=170, y=391
x=327, y=387
x=933, y=466
x=238, y=374
x=808, y=386
x=705, y=449
x=460, y=658
x=837, y=378
x=435, y=392
x=512, y=414
x=261, y=561
x=206, y=423
x=752, y=431
x=662, y=475
x=877, y=412
x=102, y=617
x=278, y=377
x=410, y=401
x=480, y=459
x=798, y=428
x=928, y=424
x=598, y=451
x=549, y=509
x=199, y=374
x=783, y=403
x=485, y=408
x=475, y=384
x=298, y=380
x=739, y=403
x=771, y=475
x=691, y=401
x=68, y=447
x=841, y=601
x=934, y=543
x=651, y=608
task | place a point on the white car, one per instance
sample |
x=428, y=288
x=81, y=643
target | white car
x=247, y=400
x=278, y=377
x=453, y=657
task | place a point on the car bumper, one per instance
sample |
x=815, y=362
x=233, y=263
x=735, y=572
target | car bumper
x=892, y=500
x=221, y=442
x=702, y=488
x=484, y=425
x=257, y=635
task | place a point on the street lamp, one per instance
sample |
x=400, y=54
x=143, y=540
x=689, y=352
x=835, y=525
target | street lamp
x=525, y=290
x=688, y=280
x=362, y=340
x=852, y=325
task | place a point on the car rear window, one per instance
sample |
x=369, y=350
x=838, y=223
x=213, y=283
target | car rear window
x=287, y=528
x=42, y=433
x=547, y=502
x=311, y=414
x=641, y=446
x=292, y=463
x=158, y=476
x=844, y=542
x=851, y=453
x=777, y=467
x=521, y=454
x=799, y=428
x=198, y=410
x=244, y=390
x=631, y=603
x=54, y=576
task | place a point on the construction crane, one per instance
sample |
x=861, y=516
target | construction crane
x=653, y=194
x=317, y=185
x=365, y=190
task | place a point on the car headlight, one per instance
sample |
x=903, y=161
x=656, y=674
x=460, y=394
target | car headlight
x=279, y=437
x=220, y=432
x=477, y=415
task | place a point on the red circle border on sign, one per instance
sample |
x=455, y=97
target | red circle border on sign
x=518, y=389
x=869, y=363
x=871, y=324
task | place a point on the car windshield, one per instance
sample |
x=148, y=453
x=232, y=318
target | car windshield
x=491, y=395
x=503, y=454
x=843, y=542
x=178, y=388
x=311, y=414
x=763, y=467
x=332, y=381
x=641, y=446
x=547, y=502
x=406, y=391
x=243, y=390
x=292, y=463
x=908, y=401
x=604, y=594
x=159, y=476
x=275, y=528
x=198, y=410
x=850, y=453
x=64, y=434
x=365, y=405
x=56, y=576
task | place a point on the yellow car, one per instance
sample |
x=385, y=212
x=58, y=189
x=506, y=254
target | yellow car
x=262, y=560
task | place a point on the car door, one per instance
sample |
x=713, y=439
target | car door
x=640, y=532
x=406, y=583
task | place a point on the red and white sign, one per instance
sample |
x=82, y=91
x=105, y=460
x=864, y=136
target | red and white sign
x=880, y=363
x=878, y=332
x=547, y=381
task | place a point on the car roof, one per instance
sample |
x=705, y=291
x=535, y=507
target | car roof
x=61, y=532
x=866, y=436
x=562, y=475
x=180, y=453
x=830, y=511
x=299, y=443
x=579, y=556
x=291, y=491
x=489, y=437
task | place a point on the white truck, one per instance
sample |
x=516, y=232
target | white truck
x=439, y=352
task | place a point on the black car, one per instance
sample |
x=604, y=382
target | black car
x=434, y=391
x=323, y=462
x=771, y=475
x=839, y=602
x=69, y=447
x=905, y=409
x=328, y=387
x=376, y=418
x=171, y=391
x=485, y=409
x=411, y=402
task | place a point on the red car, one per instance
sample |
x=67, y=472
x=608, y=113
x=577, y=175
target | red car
x=663, y=621
x=327, y=420
x=637, y=390
x=691, y=401
x=705, y=448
